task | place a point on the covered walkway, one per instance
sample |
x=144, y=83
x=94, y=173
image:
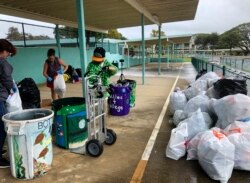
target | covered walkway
x=121, y=163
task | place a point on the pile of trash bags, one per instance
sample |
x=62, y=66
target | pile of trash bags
x=212, y=119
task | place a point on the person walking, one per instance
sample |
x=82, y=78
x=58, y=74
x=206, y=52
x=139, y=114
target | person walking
x=6, y=84
x=52, y=67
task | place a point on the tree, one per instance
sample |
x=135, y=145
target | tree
x=228, y=40
x=114, y=34
x=14, y=35
x=201, y=41
x=67, y=32
x=243, y=32
x=155, y=33
x=237, y=37
x=212, y=40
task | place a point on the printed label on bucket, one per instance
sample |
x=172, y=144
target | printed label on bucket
x=32, y=152
x=119, y=104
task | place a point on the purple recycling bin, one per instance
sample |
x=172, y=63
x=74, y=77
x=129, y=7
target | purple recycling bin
x=119, y=104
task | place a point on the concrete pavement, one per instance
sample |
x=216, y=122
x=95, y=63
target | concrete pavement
x=120, y=162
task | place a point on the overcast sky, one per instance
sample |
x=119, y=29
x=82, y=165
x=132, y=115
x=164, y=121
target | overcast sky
x=211, y=16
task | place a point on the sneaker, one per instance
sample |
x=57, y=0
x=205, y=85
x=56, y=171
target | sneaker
x=4, y=163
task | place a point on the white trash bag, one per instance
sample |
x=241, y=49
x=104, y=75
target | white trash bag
x=177, y=101
x=59, y=85
x=200, y=101
x=183, y=133
x=242, y=150
x=216, y=155
x=211, y=93
x=192, y=147
x=176, y=147
x=179, y=116
x=231, y=108
x=14, y=102
x=237, y=127
x=238, y=134
x=209, y=76
x=193, y=144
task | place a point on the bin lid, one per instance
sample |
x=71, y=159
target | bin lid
x=69, y=101
x=28, y=115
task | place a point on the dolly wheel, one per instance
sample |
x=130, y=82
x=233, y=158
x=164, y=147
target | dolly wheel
x=94, y=148
x=111, y=137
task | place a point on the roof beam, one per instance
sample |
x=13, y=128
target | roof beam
x=140, y=8
x=40, y=17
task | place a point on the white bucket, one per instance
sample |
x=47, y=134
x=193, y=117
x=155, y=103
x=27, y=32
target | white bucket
x=29, y=141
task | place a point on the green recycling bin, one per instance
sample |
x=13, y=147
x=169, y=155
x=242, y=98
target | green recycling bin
x=132, y=84
x=70, y=122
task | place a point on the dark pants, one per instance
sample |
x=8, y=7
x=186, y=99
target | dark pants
x=3, y=111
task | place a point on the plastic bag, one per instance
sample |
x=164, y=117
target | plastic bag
x=237, y=127
x=226, y=87
x=14, y=102
x=200, y=101
x=59, y=85
x=200, y=73
x=239, y=134
x=192, y=147
x=242, y=150
x=176, y=147
x=193, y=144
x=184, y=132
x=230, y=109
x=179, y=116
x=216, y=155
x=196, y=88
x=177, y=101
x=209, y=76
x=211, y=93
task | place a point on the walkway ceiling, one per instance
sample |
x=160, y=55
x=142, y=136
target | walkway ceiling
x=101, y=15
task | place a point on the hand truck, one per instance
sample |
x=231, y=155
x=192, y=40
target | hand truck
x=98, y=133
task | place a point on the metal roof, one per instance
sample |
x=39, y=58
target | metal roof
x=101, y=15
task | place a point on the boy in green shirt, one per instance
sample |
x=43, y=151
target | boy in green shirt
x=98, y=64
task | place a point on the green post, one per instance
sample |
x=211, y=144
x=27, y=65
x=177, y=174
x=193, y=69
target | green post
x=235, y=65
x=223, y=70
x=102, y=39
x=143, y=48
x=128, y=59
x=24, y=38
x=58, y=40
x=82, y=38
x=159, y=50
x=168, y=53
x=242, y=64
